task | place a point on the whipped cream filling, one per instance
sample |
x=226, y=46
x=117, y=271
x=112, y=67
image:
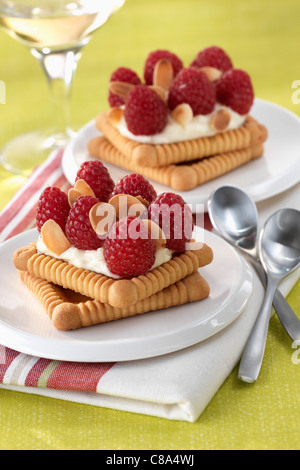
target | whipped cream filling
x=94, y=260
x=199, y=126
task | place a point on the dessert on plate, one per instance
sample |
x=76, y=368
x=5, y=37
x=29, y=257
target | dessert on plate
x=182, y=126
x=107, y=251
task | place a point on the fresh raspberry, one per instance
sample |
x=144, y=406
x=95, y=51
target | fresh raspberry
x=128, y=250
x=145, y=112
x=235, y=90
x=78, y=227
x=213, y=57
x=52, y=204
x=154, y=57
x=135, y=185
x=122, y=74
x=174, y=217
x=98, y=178
x=193, y=87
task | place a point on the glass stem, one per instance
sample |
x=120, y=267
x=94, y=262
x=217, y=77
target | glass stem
x=59, y=68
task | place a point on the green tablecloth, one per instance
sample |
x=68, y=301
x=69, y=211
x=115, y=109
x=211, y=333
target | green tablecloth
x=261, y=36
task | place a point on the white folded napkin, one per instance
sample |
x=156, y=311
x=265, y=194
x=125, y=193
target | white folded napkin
x=179, y=385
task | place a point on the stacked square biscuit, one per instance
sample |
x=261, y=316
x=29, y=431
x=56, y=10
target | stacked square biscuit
x=181, y=163
x=75, y=298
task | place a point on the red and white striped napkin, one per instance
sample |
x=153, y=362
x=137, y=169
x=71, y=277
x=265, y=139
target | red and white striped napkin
x=19, y=214
x=175, y=386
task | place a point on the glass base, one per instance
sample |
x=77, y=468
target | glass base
x=25, y=152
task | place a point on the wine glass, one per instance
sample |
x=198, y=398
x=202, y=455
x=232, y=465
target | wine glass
x=55, y=32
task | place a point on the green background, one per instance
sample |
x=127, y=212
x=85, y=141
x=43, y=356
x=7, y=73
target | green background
x=262, y=37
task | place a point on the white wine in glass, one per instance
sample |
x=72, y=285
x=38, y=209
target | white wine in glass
x=55, y=32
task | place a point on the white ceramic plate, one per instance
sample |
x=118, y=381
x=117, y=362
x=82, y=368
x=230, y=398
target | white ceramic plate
x=276, y=171
x=25, y=326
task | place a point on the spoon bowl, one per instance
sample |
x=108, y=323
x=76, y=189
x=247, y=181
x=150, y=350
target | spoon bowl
x=279, y=243
x=233, y=214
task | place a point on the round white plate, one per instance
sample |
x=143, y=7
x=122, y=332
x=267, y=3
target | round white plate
x=277, y=170
x=25, y=327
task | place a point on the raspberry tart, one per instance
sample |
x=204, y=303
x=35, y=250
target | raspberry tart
x=102, y=259
x=184, y=125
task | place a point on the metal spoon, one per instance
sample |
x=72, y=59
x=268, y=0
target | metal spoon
x=233, y=215
x=279, y=246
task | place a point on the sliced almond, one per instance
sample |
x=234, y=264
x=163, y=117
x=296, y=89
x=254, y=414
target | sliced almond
x=121, y=89
x=220, y=120
x=163, y=74
x=73, y=194
x=127, y=205
x=212, y=73
x=83, y=188
x=155, y=233
x=143, y=201
x=193, y=245
x=102, y=216
x=115, y=115
x=183, y=114
x=54, y=237
x=160, y=91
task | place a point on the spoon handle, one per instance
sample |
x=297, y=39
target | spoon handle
x=252, y=357
x=285, y=313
